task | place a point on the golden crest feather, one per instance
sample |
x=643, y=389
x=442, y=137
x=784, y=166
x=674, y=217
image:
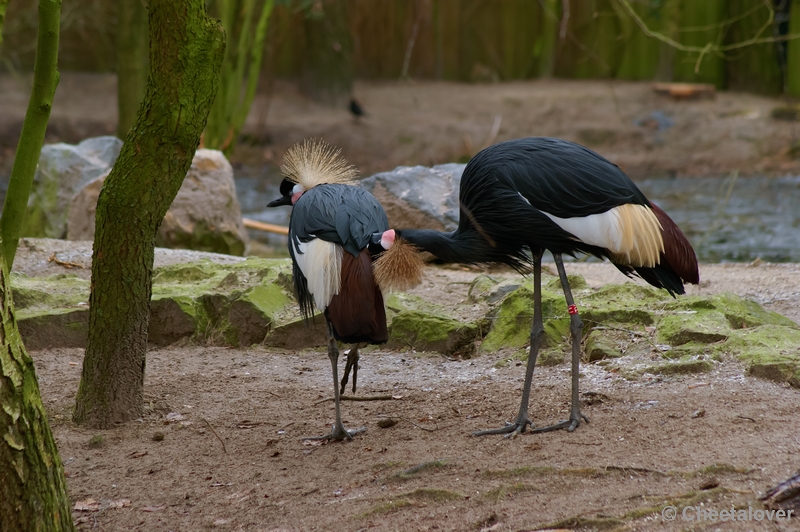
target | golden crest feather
x=314, y=162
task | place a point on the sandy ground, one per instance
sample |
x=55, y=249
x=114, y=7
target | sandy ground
x=220, y=444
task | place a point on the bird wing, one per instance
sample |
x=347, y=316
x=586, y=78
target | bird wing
x=555, y=176
x=341, y=214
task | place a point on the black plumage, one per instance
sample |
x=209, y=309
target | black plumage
x=524, y=196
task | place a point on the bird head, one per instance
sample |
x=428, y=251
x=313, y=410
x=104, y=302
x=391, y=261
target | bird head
x=290, y=193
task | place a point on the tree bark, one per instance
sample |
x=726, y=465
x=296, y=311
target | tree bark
x=33, y=490
x=185, y=56
x=132, y=47
x=45, y=81
x=327, y=74
x=793, y=51
x=246, y=31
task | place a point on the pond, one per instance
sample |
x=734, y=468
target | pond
x=727, y=219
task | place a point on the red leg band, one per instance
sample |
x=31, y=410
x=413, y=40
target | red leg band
x=573, y=309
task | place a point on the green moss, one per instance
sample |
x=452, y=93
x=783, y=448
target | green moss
x=433, y=494
x=740, y=313
x=56, y=291
x=770, y=351
x=576, y=283
x=685, y=366
x=388, y=507
x=598, y=347
x=628, y=293
x=501, y=492
x=511, y=322
x=703, y=326
x=425, y=331
x=424, y=467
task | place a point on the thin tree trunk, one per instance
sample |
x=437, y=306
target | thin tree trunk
x=185, y=56
x=45, y=81
x=328, y=62
x=793, y=51
x=132, y=47
x=3, y=6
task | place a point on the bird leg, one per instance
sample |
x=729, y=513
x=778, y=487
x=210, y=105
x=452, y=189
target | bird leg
x=352, y=363
x=575, y=328
x=339, y=432
x=537, y=331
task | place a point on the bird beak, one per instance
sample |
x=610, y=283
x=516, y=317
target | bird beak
x=283, y=200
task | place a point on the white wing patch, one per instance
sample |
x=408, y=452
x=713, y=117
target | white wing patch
x=632, y=233
x=321, y=263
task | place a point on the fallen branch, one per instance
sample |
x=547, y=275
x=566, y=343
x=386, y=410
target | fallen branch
x=215, y=434
x=358, y=398
x=263, y=226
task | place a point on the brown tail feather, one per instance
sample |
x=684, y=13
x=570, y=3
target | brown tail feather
x=357, y=312
x=678, y=252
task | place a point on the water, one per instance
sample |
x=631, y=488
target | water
x=734, y=219
x=727, y=219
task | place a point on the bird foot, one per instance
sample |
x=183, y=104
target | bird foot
x=511, y=430
x=338, y=433
x=570, y=424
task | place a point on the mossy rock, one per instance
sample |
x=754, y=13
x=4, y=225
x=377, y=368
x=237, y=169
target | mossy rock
x=426, y=331
x=702, y=326
x=576, y=283
x=46, y=328
x=55, y=291
x=770, y=351
x=291, y=331
x=171, y=318
x=598, y=347
x=252, y=314
x=687, y=365
x=740, y=312
x=511, y=321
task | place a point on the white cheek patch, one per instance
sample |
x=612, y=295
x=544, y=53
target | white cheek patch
x=321, y=263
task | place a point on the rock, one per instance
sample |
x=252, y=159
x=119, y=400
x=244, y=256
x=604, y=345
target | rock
x=511, y=320
x=770, y=351
x=599, y=348
x=83, y=208
x=43, y=329
x=204, y=216
x=171, y=318
x=684, y=366
x=63, y=170
x=705, y=327
x=419, y=197
x=417, y=324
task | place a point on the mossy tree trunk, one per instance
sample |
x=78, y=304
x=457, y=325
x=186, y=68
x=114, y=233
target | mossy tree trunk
x=246, y=31
x=185, y=56
x=327, y=74
x=33, y=490
x=132, y=49
x=754, y=68
x=45, y=81
x=793, y=51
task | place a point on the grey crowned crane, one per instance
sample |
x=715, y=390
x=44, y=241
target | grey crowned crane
x=522, y=197
x=338, y=240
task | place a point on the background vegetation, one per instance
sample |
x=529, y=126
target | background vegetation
x=484, y=40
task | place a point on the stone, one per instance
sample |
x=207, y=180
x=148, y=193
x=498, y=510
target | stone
x=59, y=327
x=424, y=326
x=598, y=347
x=417, y=197
x=64, y=170
x=770, y=352
x=204, y=216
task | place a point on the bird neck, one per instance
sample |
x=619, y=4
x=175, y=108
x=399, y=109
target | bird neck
x=466, y=247
x=444, y=246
